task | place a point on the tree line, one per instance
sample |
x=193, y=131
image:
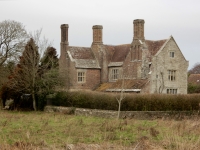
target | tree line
x=28, y=66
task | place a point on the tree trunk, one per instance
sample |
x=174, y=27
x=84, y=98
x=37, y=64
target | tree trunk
x=1, y=105
x=119, y=102
x=121, y=98
x=34, y=102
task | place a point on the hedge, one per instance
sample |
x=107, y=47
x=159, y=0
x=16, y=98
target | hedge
x=131, y=102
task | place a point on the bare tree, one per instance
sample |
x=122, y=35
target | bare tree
x=42, y=42
x=195, y=69
x=121, y=97
x=13, y=38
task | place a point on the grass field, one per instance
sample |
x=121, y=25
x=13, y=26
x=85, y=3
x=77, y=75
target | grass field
x=40, y=130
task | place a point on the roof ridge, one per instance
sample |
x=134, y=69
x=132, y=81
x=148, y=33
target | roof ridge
x=116, y=45
x=80, y=47
x=157, y=40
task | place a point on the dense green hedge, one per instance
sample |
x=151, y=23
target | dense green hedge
x=193, y=88
x=132, y=102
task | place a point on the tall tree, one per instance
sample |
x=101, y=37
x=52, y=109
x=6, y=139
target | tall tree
x=50, y=59
x=13, y=37
x=25, y=77
x=48, y=72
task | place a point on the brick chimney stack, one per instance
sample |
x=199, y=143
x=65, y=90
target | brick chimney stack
x=64, y=40
x=64, y=60
x=97, y=34
x=138, y=29
x=64, y=33
x=99, y=51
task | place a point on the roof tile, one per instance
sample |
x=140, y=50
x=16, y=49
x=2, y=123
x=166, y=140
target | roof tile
x=194, y=79
x=154, y=46
x=118, y=52
x=81, y=52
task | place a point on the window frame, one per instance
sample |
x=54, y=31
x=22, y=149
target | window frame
x=81, y=76
x=171, y=54
x=115, y=73
x=171, y=75
x=172, y=91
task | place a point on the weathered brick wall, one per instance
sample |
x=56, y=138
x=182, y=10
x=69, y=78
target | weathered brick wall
x=124, y=114
x=161, y=63
x=101, y=56
x=130, y=67
x=92, y=79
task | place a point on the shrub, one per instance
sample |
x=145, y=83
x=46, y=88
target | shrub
x=193, y=88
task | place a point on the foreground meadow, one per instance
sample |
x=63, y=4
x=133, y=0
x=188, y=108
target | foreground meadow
x=40, y=130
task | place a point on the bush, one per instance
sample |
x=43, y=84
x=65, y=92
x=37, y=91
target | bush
x=193, y=88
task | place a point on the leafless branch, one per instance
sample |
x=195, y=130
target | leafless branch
x=13, y=38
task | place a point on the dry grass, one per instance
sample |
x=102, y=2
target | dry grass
x=39, y=130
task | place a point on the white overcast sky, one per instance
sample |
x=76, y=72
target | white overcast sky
x=163, y=18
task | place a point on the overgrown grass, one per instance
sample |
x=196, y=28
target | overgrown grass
x=26, y=130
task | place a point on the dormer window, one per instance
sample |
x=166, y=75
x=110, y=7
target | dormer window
x=171, y=54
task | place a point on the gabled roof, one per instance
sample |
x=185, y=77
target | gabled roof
x=154, y=46
x=83, y=57
x=119, y=52
x=170, y=38
x=194, y=79
x=81, y=52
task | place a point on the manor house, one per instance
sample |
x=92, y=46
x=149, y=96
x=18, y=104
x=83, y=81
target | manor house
x=142, y=66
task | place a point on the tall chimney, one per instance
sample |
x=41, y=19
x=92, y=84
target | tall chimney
x=138, y=29
x=97, y=34
x=64, y=40
x=64, y=33
x=64, y=60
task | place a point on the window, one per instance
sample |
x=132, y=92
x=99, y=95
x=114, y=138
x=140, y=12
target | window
x=81, y=77
x=171, y=75
x=115, y=74
x=171, y=91
x=171, y=54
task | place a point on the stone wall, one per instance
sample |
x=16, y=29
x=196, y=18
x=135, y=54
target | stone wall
x=65, y=110
x=162, y=63
x=178, y=115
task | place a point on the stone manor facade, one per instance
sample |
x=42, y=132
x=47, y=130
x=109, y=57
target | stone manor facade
x=143, y=66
